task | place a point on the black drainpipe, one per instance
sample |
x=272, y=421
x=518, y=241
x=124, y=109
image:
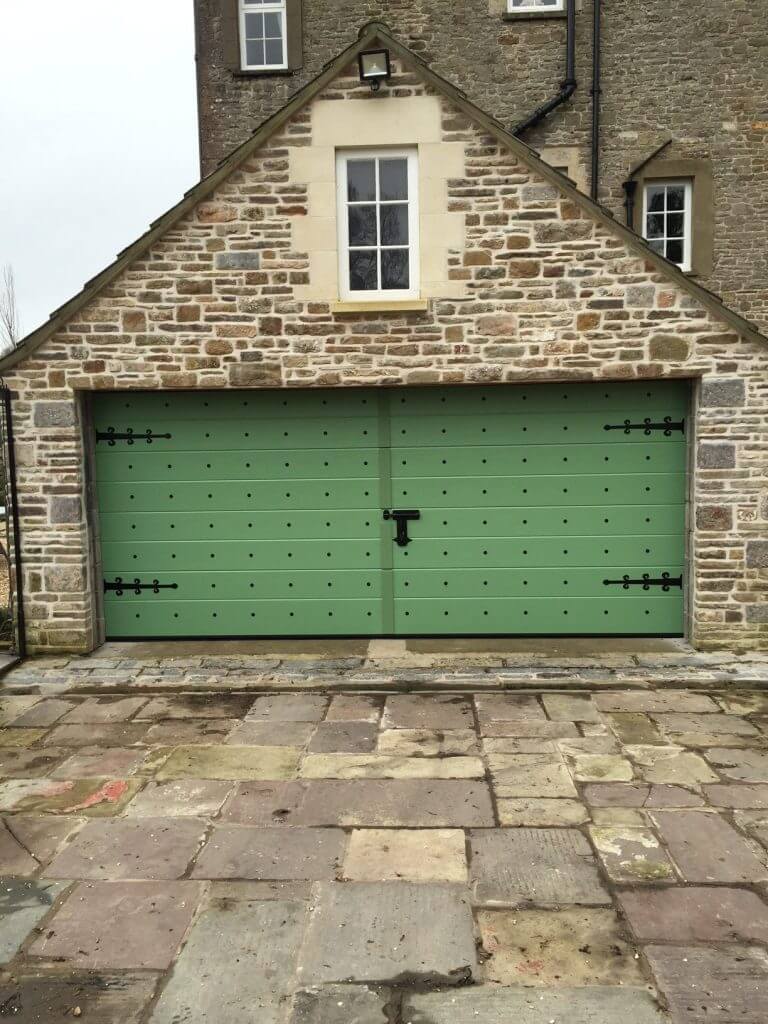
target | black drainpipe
x=596, y=90
x=568, y=87
x=14, y=496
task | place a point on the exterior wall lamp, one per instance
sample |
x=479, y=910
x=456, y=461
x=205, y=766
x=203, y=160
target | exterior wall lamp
x=375, y=67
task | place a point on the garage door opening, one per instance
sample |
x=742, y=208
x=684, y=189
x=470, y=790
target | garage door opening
x=549, y=510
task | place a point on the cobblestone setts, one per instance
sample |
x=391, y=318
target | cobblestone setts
x=122, y=893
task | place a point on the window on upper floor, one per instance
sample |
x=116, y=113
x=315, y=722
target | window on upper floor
x=537, y=6
x=667, y=219
x=263, y=35
x=378, y=221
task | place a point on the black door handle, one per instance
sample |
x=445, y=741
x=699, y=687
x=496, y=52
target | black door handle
x=402, y=517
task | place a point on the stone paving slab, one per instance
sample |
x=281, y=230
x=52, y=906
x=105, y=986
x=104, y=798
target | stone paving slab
x=531, y=1006
x=742, y=796
x=104, y=709
x=237, y=965
x=726, y=985
x=375, y=803
x=355, y=708
x=390, y=933
x=547, y=948
x=122, y=849
x=537, y=813
x=44, y=713
x=632, y=855
x=29, y=764
x=707, y=849
x=410, y=711
x=289, y=708
x=90, y=797
x=516, y=867
x=233, y=851
x=196, y=706
x=340, y=1004
x=412, y=855
x=120, y=925
x=101, y=762
x=428, y=742
x=230, y=763
x=37, y=998
x=384, y=766
x=692, y=915
x=344, y=737
x=23, y=906
x=201, y=798
x=268, y=734
x=41, y=836
x=530, y=775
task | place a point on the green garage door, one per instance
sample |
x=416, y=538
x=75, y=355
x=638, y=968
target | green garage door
x=508, y=510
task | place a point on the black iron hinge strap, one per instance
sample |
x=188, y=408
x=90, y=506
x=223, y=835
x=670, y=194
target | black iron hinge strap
x=111, y=436
x=648, y=426
x=119, y=586
x=666, y=582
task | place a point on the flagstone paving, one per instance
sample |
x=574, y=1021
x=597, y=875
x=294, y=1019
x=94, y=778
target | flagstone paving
x=335, y=856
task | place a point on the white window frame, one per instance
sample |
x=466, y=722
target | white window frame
x=272, y=7
x=534, y=7
x=687, y=184
x=346, y=294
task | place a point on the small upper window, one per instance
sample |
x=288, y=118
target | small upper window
x=513, y=6
x=263, y=43
x=378, y=225
x=667, y=220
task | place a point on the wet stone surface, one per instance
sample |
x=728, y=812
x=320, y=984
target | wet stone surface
x=335, y=857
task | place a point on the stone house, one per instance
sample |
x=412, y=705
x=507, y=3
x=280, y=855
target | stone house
x=385, y=371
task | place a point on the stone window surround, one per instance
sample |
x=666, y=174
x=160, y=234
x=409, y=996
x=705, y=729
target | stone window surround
x=440, y=231
x=699, y=172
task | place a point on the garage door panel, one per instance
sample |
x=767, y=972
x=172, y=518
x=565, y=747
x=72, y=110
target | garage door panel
x=136, y=617
x=537, y=552
x=224, y=495
x=243, y=585
x=521, y=491
x=295, y=464
x=483, y=461
x=222, y=556
x=548, y=616
x=541, y=583
x=652, y=398
x=531, y=428
x=263, y=434
x=311, y=524
x=193, y=406
x=540, y=521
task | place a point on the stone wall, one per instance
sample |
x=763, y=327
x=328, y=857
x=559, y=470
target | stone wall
x=693, y=73
x=549, y=295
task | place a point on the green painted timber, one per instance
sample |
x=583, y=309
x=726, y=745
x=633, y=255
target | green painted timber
x=262, y=512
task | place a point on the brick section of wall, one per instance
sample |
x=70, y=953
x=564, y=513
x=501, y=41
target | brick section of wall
x=551, y=296
x=697, y=78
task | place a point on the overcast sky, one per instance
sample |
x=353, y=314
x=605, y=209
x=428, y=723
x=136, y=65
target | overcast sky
x=98, y=135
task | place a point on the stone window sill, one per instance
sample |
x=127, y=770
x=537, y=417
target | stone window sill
x=380, y=306
x=278, y=73
x=533, y=15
